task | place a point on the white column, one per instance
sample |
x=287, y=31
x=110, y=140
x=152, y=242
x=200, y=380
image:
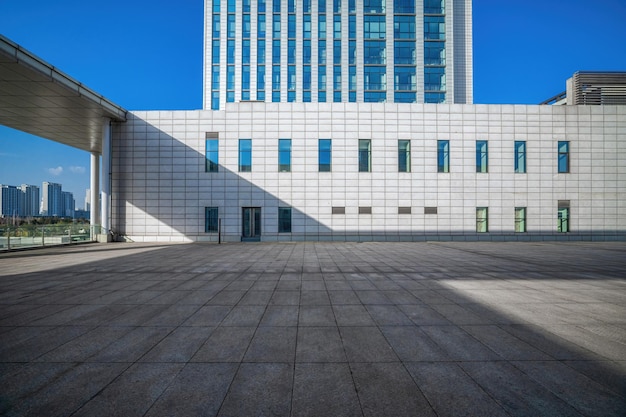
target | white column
x=106, y=176
x=94, y=192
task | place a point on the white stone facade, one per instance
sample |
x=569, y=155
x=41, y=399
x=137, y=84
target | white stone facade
x=161, y=189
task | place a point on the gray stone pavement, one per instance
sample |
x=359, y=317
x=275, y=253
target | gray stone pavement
x=315, y=329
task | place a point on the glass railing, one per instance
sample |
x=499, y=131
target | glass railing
x=15, y=237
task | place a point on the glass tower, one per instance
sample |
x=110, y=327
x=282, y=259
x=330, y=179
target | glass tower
x=397, y=51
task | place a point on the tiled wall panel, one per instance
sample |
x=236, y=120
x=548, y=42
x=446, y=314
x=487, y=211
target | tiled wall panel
x=160, y=187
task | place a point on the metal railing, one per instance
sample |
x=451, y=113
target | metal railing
x=29, y=236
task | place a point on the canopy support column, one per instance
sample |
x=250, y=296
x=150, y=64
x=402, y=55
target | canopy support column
x=94, y=193
x=106, y=177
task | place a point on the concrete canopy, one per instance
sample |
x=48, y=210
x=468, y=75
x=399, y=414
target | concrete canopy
x=37, y=98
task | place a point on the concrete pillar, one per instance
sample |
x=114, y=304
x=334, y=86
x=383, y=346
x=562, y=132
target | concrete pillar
x=94, y=192
x=106, y=176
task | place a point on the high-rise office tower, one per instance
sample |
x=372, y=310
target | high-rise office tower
x=402, y=51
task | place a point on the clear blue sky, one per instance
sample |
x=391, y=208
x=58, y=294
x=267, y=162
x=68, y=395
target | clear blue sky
x=147, y=55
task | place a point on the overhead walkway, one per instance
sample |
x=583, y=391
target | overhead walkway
x=37, y=98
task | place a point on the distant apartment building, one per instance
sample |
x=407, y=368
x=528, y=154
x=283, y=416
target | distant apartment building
x=69, y=204
x=30, y=200
x=9, y=200
x=51, y=200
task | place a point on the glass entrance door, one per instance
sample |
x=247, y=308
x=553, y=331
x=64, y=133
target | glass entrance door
x=251, y=223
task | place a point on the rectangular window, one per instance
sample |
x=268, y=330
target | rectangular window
x=260, y=51
x=443, y=156
x=337, y=26
x=211, y=221
x=306, y=26
x=246, y=26
x=276, y=25
x=563, y=156
x=405, y=79
x=435, y=53
x=374, y=78
x=284, y=219
x=374, y=6
x=482, y=219
x=434, y=6
x=405, y=53
x=404, y=27
x=291, y=78
x=324, y=155
x=338, y=210
x=321, y=78
x=434, y=79
x=404, y=6
x=404, y=155
x=212, y=155
x=434, y=27
x=260, y=78
x=482, y=158
x=563, y=216
x=261, y=27
x=374, y=52
x=430, y=210
x=520, y=219
x=284, y=155
x=245, y=155
x=365, y=210
x=374, y=27
x=321, y=26
x=404, y=210
x=230, y=26
x=520, y=156
x=365, y=155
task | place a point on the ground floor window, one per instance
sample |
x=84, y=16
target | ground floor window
x=563, y=217
x=210, y=219
x=284, y=220
x=520, y=219
x=482, y=222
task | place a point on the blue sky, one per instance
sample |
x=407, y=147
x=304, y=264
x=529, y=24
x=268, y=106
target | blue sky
x=147, y=55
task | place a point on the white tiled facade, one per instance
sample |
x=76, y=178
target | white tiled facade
x=161, y=189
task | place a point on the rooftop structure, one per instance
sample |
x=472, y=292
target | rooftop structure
x=592, y=88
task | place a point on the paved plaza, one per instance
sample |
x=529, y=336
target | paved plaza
x=314, y=329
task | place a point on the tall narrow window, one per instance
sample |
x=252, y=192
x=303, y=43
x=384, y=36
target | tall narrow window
x=245, y=155
x=211, y=221
x=284, y=155
x=443, y=156
x=520, y=157
x=482, y=219
x=482, y=158
x=404, y=155
x=325, y=155
x=563, y=149
x=284, y=219
x=563, y=216
x=365, y=155
x=520, y=219
x=212, y=154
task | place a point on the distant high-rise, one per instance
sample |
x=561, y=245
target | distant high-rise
x=399, y=51
x=29, y=200
x=9, y=200
x=68, y=204
x=51, y=199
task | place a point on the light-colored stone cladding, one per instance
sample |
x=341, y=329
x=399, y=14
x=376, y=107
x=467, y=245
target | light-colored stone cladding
x=161, y=189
